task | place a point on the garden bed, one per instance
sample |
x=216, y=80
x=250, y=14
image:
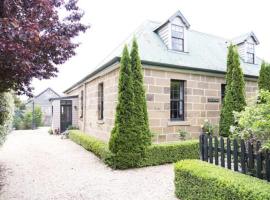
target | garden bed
x=156, y=154
x=198, y=180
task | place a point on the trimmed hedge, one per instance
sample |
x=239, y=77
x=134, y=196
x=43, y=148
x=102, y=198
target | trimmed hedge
x=198, y=180
x=156, y=154
x=96, y=146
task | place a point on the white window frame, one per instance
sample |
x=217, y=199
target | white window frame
x=174, y=37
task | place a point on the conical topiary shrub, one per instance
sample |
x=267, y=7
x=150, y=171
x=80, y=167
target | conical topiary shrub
x=264, y=77
x=140, y=107
x=235, y=92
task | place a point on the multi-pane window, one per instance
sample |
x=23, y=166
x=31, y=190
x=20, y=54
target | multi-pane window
x=81, y=104
x=100, y=101
x=177, y=100
x=177, y=37
x=250, y=53
x=223, y=90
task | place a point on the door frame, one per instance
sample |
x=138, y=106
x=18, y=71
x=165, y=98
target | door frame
x=63, y=103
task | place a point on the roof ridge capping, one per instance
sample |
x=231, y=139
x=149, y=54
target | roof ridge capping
x=176, y=14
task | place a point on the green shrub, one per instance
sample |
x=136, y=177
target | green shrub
x=96, y=146
x=50, y=131
x=130, y=135
x=253, y=123
x=209, y=128
x=198, y=180
x=27, y=118
x=264, y=77
x=140, y=107
x=234, y=99
x=6, y=115
x=182, y=134
x=158, y=154
x=71, y=127
x=18, y=120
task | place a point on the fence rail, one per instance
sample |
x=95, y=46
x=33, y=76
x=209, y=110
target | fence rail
x=237, y=155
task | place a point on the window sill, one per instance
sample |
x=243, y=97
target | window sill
x=178, y=123
x=179, y=52
x=100, y=122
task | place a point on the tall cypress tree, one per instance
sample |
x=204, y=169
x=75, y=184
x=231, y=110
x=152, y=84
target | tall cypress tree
x=230, y=64
x=264, y=77
x=238, y=85
x=235, y=92
x=124, y=111
x=126, y=140
x=140, y=110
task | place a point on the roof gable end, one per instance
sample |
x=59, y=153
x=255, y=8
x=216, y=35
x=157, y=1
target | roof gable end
x=177, y=14
x=244, y=38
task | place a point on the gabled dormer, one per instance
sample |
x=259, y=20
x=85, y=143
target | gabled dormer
x=173, y=32
x=246, y=46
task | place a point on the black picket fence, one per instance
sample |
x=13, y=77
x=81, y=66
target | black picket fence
x=237, y=155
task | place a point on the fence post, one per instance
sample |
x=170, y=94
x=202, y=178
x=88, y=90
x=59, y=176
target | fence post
x=201, y=146
x=235, y=155
x=243, y=156
x=222, y=152
x=216, y=151
x=210, y=149
x=267, y=167
x=229, y=165
x=258, y=160
x=205, y=148
x=250, y=157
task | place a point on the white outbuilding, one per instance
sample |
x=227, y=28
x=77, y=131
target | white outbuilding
x=64, y=113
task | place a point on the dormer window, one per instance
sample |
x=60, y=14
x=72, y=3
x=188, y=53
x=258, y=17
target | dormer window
x=250, y=53
x=177, y=37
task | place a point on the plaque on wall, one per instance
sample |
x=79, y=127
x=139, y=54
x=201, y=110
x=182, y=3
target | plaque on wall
x=213, y=100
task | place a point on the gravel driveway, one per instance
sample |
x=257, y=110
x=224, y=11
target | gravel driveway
x=39, y=166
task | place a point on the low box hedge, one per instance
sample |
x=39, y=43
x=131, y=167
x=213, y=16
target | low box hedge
x=156, y=154
x=198, y=180
x=90, y=143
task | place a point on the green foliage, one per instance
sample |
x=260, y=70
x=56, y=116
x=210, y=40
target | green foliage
x=253, y=123
x=27, y=118
x=238, y=85
x=18, y=120
x=156, y=154
x=50, y=131
x=130, y=135
x=198, y=180
x=71, y=127
x=6, y=113
x=140, y=108
x=98, y=147
x=208, y=128
x=235, y=92
x=6, y=108
x=18, y=113
x=123, y=119
x=264, y=77
x=182, y=134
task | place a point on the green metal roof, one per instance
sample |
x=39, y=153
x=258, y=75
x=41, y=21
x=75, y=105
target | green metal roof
x=205, y=53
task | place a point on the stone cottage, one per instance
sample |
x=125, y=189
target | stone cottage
x=184, y=74
x=42, y=100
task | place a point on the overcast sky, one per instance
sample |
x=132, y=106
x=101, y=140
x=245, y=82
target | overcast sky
x=112, y=21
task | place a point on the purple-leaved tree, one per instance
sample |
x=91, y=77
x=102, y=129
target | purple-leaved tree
x=34, y=38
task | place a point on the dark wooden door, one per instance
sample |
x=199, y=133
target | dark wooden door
x=66, y=114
